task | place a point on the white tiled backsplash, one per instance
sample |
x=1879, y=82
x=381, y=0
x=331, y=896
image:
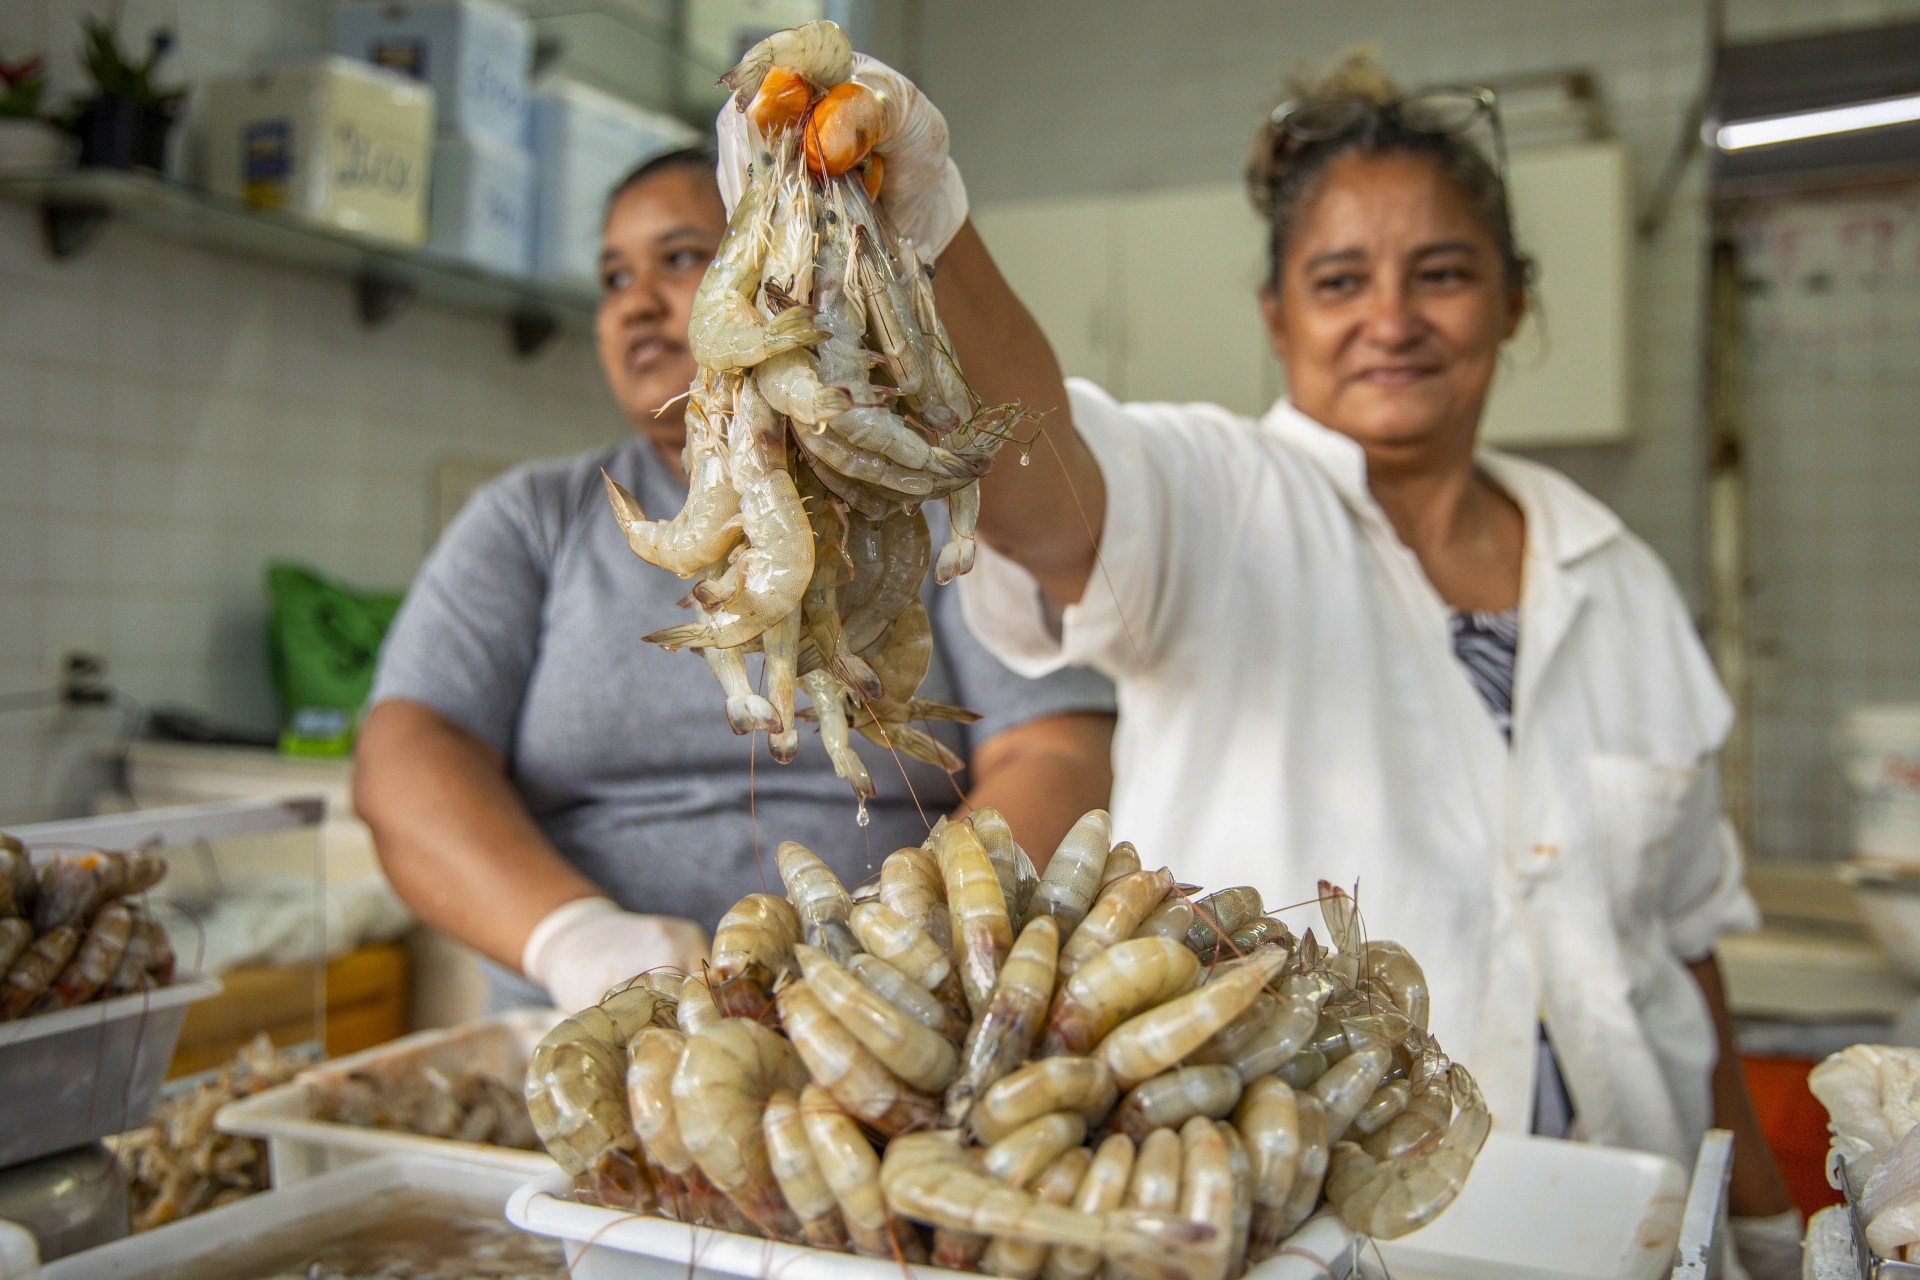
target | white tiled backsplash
x=172, y=418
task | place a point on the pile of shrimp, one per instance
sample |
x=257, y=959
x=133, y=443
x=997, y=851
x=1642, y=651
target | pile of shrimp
x=968, y=1063
x=827, y=408
x=75, y=929
x=178, y=1164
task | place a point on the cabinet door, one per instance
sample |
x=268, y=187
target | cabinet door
x=1190, y=264
x=1567, y=383
x=1057, y=255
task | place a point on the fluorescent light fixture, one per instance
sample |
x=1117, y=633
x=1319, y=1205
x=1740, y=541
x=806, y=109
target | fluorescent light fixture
x=1768, y=130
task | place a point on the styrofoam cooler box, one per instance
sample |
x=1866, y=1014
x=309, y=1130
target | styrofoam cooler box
x=474, y=53
x=336, y=140
x=584, y=142
x=1879, y=745
x=251, y=1236
x=300, y=1147
x=481, y=206
x=1543, y=1209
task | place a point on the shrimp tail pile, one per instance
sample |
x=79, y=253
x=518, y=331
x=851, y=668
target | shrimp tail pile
x=827, y=408
x=969, y=1064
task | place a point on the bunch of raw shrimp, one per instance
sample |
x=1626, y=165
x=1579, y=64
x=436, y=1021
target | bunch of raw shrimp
x=1049, y=1072
x=75, y=929
x=827, y=409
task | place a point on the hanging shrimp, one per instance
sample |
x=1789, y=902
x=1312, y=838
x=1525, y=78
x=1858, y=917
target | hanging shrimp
x=817, y=52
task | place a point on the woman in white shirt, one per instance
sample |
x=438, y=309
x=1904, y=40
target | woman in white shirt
x=1312, y=623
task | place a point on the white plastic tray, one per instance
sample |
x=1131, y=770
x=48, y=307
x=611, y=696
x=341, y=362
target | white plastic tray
x=301, y=1147
x=606, y=1244
x=194, y=1246
x=78, y=1074
x=1542, y=1209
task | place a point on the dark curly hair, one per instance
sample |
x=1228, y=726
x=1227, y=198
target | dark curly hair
x=700, y=158
x=1285, y=174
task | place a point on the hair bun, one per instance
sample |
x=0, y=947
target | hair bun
x=1356, y=73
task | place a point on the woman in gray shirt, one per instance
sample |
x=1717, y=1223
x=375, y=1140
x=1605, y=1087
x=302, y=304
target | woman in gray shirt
x=568, y=800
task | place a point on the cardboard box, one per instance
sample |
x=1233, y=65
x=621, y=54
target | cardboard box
x=331, y=139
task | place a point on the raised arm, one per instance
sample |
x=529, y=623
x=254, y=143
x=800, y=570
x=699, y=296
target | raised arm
x=1045, y=515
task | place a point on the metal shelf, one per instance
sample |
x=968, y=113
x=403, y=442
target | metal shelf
x=75, y=204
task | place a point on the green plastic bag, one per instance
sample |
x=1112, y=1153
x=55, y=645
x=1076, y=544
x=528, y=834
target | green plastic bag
x=322, y=642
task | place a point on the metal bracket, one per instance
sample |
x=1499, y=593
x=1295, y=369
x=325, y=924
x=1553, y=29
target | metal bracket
x=530, y=328
x=380, y=295
x=1703, y=1222
x=69, y=228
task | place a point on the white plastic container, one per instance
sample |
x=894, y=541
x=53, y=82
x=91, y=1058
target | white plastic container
x=219, y=1241
x=585, y=141
x=332, y=139
x=606, y=1244
x=1879, y=747
x=78, y=1074
x=1542, y=1209
x=475, y=54
x=300, y=1147
x=1888, y=896
x=481, y=209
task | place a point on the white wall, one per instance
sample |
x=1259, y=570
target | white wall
x=172, y=418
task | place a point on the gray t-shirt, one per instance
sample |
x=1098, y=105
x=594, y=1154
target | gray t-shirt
x=524, y=629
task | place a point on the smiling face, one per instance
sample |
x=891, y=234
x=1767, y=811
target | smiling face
x=659, y=237
x=1391, y=307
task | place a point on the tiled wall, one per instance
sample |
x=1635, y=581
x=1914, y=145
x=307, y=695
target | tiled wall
x=1143, y=94
x=172, y=418
x=1833, y=378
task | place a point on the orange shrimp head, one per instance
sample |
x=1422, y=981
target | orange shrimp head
x=842, y=129
x=782, y=101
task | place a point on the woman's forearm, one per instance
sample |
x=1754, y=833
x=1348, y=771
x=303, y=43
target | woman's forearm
x=453, y=836
x=1046, y=514
x=1757, y=1190
x=1043, y=775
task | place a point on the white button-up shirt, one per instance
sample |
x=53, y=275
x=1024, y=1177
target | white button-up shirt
x=1291, y=708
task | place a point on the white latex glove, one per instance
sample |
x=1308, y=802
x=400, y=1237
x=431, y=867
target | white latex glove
x=586, y=947
x=920, y=186
x=1769, y=1248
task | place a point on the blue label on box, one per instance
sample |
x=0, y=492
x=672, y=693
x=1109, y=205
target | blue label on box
x=266, y=162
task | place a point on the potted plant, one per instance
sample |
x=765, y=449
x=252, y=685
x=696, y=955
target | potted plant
x=124, y=125
x=27, y=142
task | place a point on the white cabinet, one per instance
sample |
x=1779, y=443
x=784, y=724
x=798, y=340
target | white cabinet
x=1151, y=295
x=1154, y=295
x=1567, y=383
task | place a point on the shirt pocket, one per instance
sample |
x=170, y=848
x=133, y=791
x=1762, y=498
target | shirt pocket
x=1637, y=804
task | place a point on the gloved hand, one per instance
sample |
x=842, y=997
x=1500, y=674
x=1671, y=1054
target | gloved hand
x=919, y=185
x=585, y=947
x=1769, y=1248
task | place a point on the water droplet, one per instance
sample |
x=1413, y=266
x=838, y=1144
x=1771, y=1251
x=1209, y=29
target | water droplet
x=861, y=816
x=1026, y=459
